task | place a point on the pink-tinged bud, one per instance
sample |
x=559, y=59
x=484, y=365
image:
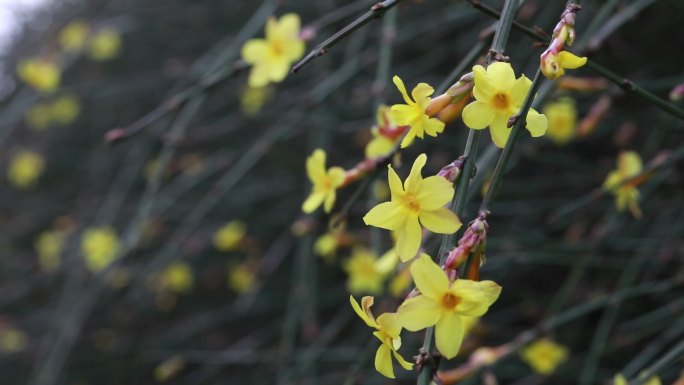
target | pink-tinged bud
x=308, y=33
x=452, y=170
x=677, y=93
x=550, y=66
x=472, y=241
x=438, y=104
x=597, y=112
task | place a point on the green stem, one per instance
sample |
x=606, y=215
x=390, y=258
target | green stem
x=670, y=356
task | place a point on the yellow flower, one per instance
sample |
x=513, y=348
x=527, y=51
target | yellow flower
x=364, y=277
x=562, y=116
x=413, y=114
x=553, y=64
x=177, y=277
x=42, y=75
x=12, y=340
x=443, y=304
x=104, y=45
x=242, y=278
x=626, y=195
x=49, y=246
x=387, y=331
x=419, y=202
x=272, y=57
x=25, y=168
x=38, y=116
x=619, y=379
x=253, y=98
x=385, y=133
x=100, y=247
x=73, y=37
x=230, y=236
x=327, y=244
x=65, y=109
x=544, y=355
x=499, y=96
x=325, y=183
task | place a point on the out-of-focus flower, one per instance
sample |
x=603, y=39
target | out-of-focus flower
x=498, y=97
x=443, y=304
x=418, y=202
x=413, y=113
x=177, y=277
x=327, y=244
x=242, y=278
x=25, y=168
x=12, y=340
x=562, y=117
x=229, y=237
x=325, y=183
x=387, y=331
x=385, y=133
x=272, y=57
x=65, y=109
x=73, y=37
x=400, y=283
x=254, y=98
x=104, y=45
x=38, y=116
x=363, y=275
x=49, y=247
x=41, y=74
x=554, y=64
x=99, y=247
x=627, y=195
x=544, y=355
x=619, y=379
x=169, y=368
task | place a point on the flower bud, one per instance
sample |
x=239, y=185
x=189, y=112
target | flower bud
x=550, y=65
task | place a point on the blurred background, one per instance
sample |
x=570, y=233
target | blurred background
x=151, y=229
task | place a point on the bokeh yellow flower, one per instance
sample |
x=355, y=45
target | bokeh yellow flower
x=363, y=275
x=229, y=237
x=325, y=183
x=400, y=283
x=562, y=116
x=272, y=57
x=387, y=331
x=41, y=74
x=25, y=168
x=177, y=277
x=242, y=277
x=49, y=247
x=12, y=340
x=99, y=247
x=619, y=379
x=553, y=64
x=73, y=36
x=253, y=99
x=418, y=202
x=443, y=304
x=385, y=134
x=413, y=114
x=65, y=109
x=627, y=195
x=104, y=45
x=498, y=97
x=544, y=355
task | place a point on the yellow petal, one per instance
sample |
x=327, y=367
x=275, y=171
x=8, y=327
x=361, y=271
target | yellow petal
x=288, y=26
x=315, y=166
x=477, y=115
x=449, y=334
x=388, y=215
x=278, y=70
x=383, y=361
x=409, y=237
x=258, y=76
x=501, y=74
x=400, y=85
x=570, y=60
x=404, y=364
x=313, y=201
x=421, y=94
x=367, y=317
x=519, y=90
x=419, y=313
x=629, y=164
x=475, y=297
x=336, y=175
x=441, y=221
x=254, y=50
x=434, y=192
x=389, y=324
x=483, y=89
x=414, y=179
x=536, y=123
x=395, y=186
x=499, y=131
x=409, y=137
x=329, y=200
x=432, y=126
x=429, y=278
x=619, y=379
x=612, y=180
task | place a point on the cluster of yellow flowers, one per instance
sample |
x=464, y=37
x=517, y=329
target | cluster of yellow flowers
x=61, y=111
x=623, y=182
x=241, y=277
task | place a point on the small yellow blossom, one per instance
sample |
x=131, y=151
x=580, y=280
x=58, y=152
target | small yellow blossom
x=325, y=183
x=544, y=355
x=254, y=98
x=499, y=96
x=619, y=379
x=100, y=247
x=12, y=340
x=38, y=116
x=272, y=57
x=49, y=246
x=65, y=109
x=177, y=277
x=553, y=64
x=413, y=114
x=626, y=194
x=73, y=37
x=387, y=331
x=242, y=278
x=41, y=74
x=562, y=116
x=364, y=276
x=443, y=304
x=25, y=168
x=105, y=44
x=229, y=237
x=418, y=202
x=385, y=133
x=327, y=244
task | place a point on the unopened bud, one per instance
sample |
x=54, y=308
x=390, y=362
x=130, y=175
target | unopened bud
x=438, y=104
x=452, y=170
x=453, y=111
x=550, y=66
x=677, y=93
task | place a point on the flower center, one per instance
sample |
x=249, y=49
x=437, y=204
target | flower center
x=411, y=203
x=449, y=301
x=501, y=101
